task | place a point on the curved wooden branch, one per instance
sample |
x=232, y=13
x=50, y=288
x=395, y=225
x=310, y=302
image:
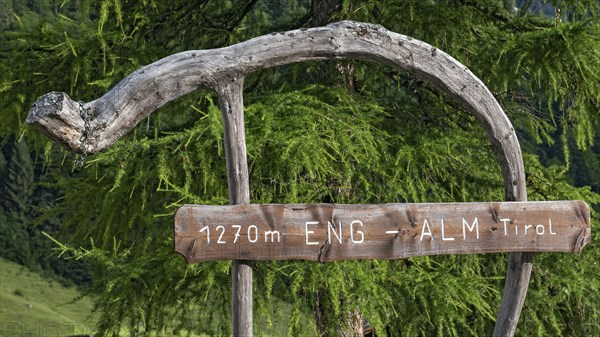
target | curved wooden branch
x=152, y=86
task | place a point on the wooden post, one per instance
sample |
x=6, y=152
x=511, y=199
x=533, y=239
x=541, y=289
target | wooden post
x=231, y=103
x=515, y=291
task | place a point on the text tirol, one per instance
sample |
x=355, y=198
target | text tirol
x=330, y=232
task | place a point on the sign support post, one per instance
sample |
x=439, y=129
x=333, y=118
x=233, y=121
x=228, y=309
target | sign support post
x=232, y=111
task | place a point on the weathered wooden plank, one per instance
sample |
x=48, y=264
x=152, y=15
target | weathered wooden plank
x=330, y=232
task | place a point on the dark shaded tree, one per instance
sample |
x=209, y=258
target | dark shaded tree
x=17, y=190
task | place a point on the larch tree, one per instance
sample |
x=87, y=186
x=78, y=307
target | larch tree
x=339, y=131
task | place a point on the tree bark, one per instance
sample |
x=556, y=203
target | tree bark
x=351, y=326
x=323, y=11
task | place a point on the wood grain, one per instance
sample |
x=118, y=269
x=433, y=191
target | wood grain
x=332, y=232
x=232, y=112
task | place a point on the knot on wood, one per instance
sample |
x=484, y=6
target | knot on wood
x=358, y=26
x=58, y=116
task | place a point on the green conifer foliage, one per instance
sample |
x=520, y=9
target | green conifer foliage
x=339, y=131
x=17, y=188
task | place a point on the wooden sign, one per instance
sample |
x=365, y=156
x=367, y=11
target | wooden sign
x=330, y=232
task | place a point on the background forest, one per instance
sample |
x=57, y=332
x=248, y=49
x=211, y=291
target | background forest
x=335, y=131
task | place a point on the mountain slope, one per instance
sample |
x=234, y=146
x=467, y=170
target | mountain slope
x=31, y=305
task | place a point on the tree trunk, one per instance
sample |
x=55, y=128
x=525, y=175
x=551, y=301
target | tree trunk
x=324, y=10
x=351, y=326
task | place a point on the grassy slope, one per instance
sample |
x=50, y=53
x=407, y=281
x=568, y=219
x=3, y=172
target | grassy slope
x=31, y=305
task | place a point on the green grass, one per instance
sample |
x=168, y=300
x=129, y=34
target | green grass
x=34, y=306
